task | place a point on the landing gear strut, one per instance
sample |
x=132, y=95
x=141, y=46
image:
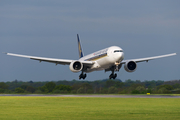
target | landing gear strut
x=112, y=75
x=83, y=76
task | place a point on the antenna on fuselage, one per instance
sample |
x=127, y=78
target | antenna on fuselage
x=79, y=47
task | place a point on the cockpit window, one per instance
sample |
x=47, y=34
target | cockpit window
x=118, y=51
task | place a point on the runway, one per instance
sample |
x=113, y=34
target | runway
x=101, y=96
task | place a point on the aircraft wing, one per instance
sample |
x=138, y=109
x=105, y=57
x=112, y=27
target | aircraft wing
x=148, y=58
x=51, y=60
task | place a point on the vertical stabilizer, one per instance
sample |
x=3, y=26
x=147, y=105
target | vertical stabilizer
x=79, y=47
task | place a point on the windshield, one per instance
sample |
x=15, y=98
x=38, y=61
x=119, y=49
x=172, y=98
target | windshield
x=118, y=51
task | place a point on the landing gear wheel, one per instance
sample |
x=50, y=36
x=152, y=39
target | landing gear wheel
x=113, y=76
x=80, y=76
x=110, y=76
x=83, y=76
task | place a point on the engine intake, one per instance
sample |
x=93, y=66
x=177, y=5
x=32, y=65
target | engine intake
x=76, y=66
x=130, y=66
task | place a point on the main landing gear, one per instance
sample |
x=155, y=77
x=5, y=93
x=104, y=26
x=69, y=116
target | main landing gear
x=112, y=75
x=83, y=76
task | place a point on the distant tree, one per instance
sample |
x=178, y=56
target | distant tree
x=98, y=85
x=30, y=89
x=2, y=90
x=76, y=86
x=168, y=87
x=31, y=82
x=110, y=83
x=24, y=86
x=38, y=91
x=7, y=91
x=50, y=86
x=137, y=81
x=15, y=81
x=43, y=89
x=63, y=88
x=159, y=82
x=73, y=91
x=3, y=85
x=80, y=90
x=118, y=84
x=176, y=86
x=163, y=90
x=19, y=90
x=86, y=87
x=135, y=92
x=141, y=89
x=112, y=89
x=128, y=82
x=104, y=91
x=150, y=84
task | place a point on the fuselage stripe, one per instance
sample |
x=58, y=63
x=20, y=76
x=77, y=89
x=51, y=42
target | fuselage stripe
x=97, y=57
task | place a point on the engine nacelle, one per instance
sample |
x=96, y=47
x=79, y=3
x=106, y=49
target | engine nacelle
x=130, y=66
x=76, y=66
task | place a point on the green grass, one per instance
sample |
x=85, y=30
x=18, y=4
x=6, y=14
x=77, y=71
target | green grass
x=64, y=108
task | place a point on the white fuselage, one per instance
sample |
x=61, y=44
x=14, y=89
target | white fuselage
x=104, y=58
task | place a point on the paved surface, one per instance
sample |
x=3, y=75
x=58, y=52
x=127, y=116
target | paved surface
x=105, y=96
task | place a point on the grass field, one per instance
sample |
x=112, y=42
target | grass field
x=64, y=108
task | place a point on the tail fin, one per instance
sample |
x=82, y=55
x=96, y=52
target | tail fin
x=79, y=47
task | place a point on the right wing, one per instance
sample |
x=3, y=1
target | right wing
x=140, y=60
x=148, y=58
x=51, y=60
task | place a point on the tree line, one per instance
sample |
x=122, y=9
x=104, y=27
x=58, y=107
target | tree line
x=92, y=87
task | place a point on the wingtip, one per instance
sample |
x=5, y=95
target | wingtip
x=174, y=53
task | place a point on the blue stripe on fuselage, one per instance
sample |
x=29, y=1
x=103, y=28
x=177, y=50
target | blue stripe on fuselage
x=96, y=57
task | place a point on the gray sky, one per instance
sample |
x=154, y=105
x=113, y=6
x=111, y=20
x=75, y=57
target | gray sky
x=48, y=29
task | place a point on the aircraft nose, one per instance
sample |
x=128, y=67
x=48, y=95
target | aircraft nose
x=119, y=56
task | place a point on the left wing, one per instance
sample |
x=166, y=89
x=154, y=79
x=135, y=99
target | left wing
x=148, y=58
x=51, y=60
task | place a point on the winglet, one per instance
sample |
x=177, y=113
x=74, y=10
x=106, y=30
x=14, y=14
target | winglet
x=79, y=47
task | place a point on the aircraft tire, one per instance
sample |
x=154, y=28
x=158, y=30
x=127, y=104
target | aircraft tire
x=84, y=76
x=114, y=76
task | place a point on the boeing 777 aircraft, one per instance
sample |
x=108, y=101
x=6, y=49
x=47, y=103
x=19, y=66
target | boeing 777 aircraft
x=108, y=59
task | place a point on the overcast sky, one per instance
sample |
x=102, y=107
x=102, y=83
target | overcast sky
x=48, y=28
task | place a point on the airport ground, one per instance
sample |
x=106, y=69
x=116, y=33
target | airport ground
x=70, y=107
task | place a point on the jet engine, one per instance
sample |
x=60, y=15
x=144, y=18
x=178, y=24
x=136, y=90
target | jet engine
x=76, y=66
x=130, y=66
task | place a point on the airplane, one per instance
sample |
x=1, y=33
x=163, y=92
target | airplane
x=108, y=59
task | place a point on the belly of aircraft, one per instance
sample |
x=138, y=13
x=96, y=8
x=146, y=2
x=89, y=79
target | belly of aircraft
x=102, y=64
